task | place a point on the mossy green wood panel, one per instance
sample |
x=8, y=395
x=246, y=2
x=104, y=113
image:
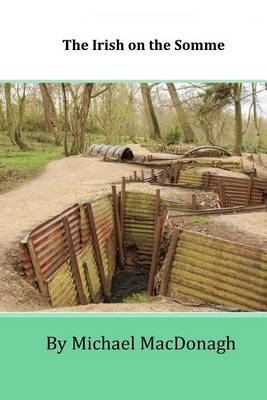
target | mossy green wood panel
x=139, y=225
x=82, y=259
x=62, y=288
x=191, y=177
x=214, y=270
x=105, y=228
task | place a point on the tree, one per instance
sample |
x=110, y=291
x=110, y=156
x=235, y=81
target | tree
x=188, y=132
x=151, y=118
x=256, y=122
x=15, y=123
x=80, y=114
x=216, y=97
x=50, y=112
x=238, y=145
x=66, y=118
x=2, y=117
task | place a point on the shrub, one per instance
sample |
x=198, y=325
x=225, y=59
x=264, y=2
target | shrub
x=174, y=135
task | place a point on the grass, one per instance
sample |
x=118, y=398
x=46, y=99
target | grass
x=17, y=166
x=137, y=298
x=200, y=220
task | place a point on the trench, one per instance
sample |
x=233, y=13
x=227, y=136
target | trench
x=131, y=281
x=107, y=250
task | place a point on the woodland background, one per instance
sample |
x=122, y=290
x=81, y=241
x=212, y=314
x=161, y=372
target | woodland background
x=40, y=122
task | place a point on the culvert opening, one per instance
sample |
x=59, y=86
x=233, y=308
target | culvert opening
x=120, y=152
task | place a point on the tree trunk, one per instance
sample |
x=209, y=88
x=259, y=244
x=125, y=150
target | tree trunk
x=66, y=119
x=152, y=122
x=9, y=112
x=80, y=115
x=2, y=117
x=189, y=134
x=256, y=123
x=50, y=112
x=237, y=88
x=86, y=101
x=14, y=126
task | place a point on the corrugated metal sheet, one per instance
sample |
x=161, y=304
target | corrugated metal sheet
x=47, y=254
x=206, y=151
x=49, y=242
x=122, y=152
x=237, y=189
x=105, y=227
x=26, y=261
x=214, y=270
x=61, y=287
x=139, y=224
x=171, y=149
x=89, y=273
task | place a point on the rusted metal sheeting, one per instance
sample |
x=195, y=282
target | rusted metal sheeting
x=180, y=206
x=205, y=268
x=120, y=152
x=181, y=173
x=243, y=191
x=47, y=242
x=90, y=274
x=105, y=228
x=226, y=210
x=57, y=267
x=139, y=224
x=206, y=151
x=239, y=191
x=26, y=261
x=61, y=287
x=180, y=149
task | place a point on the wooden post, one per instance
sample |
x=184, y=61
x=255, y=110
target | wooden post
x=99, y=260
x=117, y=225
x=154, y=261
x=135, y=176
x=241, y=163
x=122, y=209
x=207, y=180
x=74, y=262
x=143, y=176
x=177, y=173
x=37, y=268
x=152, y=176
x=89, y=283
x=250, y=188
x=221, y=193
x=157, y=205
x=169, y=262
x=194, y=201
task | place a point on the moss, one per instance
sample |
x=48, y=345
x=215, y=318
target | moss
x=138, y=298
x=200, y=220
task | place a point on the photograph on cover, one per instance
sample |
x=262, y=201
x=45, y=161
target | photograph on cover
x=133, y=196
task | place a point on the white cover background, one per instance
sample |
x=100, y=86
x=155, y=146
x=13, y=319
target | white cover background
x=31, y=33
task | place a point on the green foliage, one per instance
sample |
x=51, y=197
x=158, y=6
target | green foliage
x=41, y=137
x=17, y=166
x=174, y=135
x=200, y=220
x=137, y=298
